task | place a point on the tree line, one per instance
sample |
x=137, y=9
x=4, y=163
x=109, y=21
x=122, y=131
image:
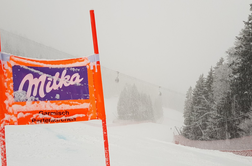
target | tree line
x=220, y=104
x=137, y=106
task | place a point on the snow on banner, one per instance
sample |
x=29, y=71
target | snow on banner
x=45, y=91
x=41, y=91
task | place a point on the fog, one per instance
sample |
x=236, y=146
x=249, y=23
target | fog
x=164, y=42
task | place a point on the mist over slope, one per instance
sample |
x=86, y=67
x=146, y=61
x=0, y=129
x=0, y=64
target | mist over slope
x=113, y=81
x=131, y=143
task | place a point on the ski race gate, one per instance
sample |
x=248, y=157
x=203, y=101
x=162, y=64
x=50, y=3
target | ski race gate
x=47, y=92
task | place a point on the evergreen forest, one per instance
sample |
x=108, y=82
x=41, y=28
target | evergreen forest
x=220, y=105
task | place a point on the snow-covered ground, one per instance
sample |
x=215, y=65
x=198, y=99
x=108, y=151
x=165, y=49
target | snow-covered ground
x=130, y=144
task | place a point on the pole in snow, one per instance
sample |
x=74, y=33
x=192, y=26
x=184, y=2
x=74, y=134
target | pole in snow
x=96, y=51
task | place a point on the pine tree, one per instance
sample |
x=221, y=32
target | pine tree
x=242, y=80
x=246, y=125
x=123, y=104
x=188, y=117
x=221, y=93
x=199, y=97
x=209, y=89
x=210, y=116
x=220, y=63
x=199, y=109
x=134, y=102
x=188, y=106
x=145, y=110
x=221, y=84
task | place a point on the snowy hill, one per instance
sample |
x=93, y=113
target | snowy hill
x=113, y=81
x=132, y=144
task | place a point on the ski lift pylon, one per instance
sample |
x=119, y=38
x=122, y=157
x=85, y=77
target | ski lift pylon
x=117, y=77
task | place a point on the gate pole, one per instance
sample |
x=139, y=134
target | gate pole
x=104, y=125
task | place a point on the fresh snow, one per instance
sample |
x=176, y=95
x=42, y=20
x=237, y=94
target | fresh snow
x=130, y=144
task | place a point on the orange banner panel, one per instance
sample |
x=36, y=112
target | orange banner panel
x=43, y=92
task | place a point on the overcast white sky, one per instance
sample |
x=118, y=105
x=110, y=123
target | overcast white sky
x=165, y=42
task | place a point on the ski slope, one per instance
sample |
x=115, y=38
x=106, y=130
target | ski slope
x=131, y=144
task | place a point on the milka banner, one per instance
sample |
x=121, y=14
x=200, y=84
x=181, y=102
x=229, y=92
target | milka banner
x=43, y=91
x=51, y=91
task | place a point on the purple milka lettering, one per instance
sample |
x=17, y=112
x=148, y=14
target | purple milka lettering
x=51, y=84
